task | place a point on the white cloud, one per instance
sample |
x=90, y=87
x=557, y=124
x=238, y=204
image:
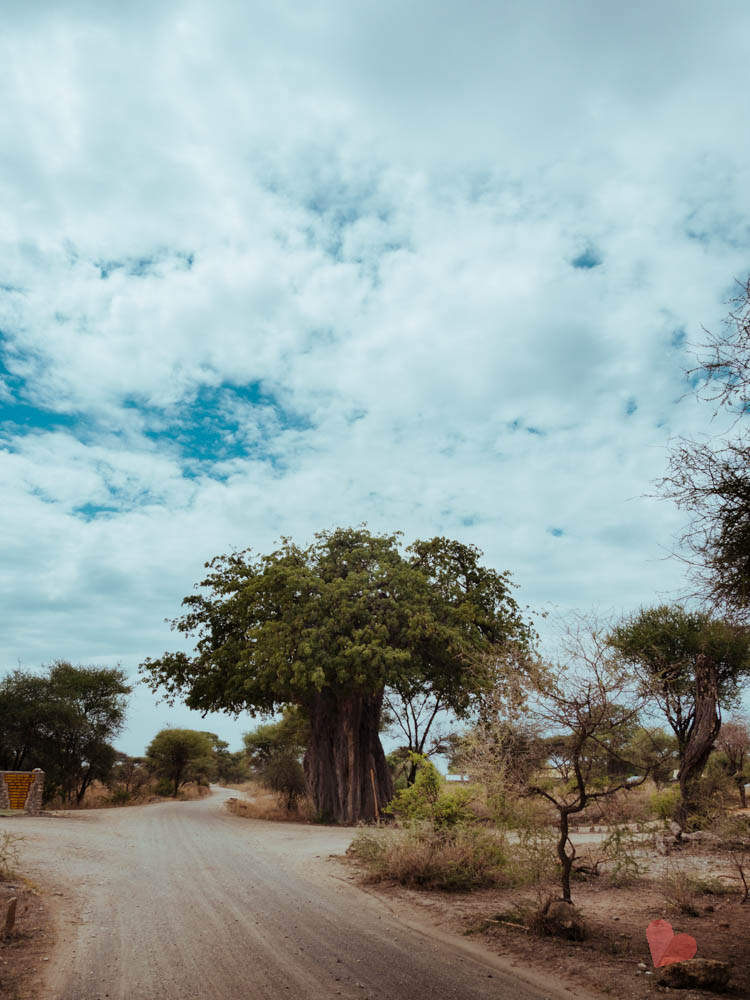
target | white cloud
x=370, y=216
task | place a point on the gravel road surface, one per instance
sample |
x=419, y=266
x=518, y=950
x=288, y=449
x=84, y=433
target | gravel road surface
x=183, y=900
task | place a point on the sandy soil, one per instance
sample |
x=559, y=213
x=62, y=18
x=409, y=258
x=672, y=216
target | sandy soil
x=182, y=900
x=614, y=960
x=23, y=954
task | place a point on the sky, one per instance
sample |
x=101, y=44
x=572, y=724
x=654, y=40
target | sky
x=271, y=269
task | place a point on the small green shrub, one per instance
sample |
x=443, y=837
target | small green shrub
x=120, y=797
x=164, y=787
x=664, y=803
x=427, y=799
x=284, y=775
x=451, y=859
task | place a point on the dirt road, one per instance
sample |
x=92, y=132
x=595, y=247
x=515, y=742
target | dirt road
x=183, y=900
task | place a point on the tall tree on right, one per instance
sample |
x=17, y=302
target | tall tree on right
x=710, y=479
x=691, y=666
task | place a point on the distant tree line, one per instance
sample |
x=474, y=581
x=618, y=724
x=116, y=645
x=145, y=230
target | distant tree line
x=64, y=721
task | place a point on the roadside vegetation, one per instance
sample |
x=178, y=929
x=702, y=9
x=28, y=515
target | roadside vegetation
x=64, y=720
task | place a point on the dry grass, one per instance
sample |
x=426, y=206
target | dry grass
x=248, y=787
x=460, y=858
x=635, y=805
x=99, y=796
x=191, y=791
x=683, y=889
x=268, y=805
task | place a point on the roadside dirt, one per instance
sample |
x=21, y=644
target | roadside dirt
x=608, y=961
x=614, y=960
x=183, y=900
x=24, y=953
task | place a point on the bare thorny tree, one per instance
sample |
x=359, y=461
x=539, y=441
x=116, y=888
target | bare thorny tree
x=563, y=746
x=587, y=710
x=413, y=713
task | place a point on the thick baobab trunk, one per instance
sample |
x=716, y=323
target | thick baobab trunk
x=345, y=766
x=702, y=736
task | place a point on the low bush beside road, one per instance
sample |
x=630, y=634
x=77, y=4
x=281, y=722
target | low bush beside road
x=453, y=858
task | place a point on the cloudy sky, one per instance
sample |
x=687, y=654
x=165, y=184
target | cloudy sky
x=273, y=268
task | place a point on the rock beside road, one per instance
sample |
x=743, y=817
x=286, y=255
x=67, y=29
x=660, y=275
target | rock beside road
x=696, y=973
x=561, y=919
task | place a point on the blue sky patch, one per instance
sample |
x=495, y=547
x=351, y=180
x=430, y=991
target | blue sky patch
x=146, y=265
x=90, y=511
x=631, y=406
x=587, y=260
x=24, y=418
x=678, y=338
x=555, y=532
x=519, y=425
x=226, y=422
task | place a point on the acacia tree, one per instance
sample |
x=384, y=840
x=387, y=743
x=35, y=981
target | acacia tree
x=414, y=705
x=327, y=628
x=691, y=666
x=27, y=715
x=288, y=735
x=63, y=721
x=179, y=755
x=586, y=710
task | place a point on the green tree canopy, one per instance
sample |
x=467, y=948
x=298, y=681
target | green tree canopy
x=327, y=628
x=288, y=735
x=180, y=755
x=62, y=721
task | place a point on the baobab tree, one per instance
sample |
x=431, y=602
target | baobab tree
x=327, y=628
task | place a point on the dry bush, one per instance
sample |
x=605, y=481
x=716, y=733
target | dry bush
x=461, y=858
x=99, y=796
x=266, y=805
x=192, y=791
x=531, y=858
x=247, y=787
x=627, y=806
x=8, y=853
x=682, y=890
x=734, y=830
x=623, y=853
